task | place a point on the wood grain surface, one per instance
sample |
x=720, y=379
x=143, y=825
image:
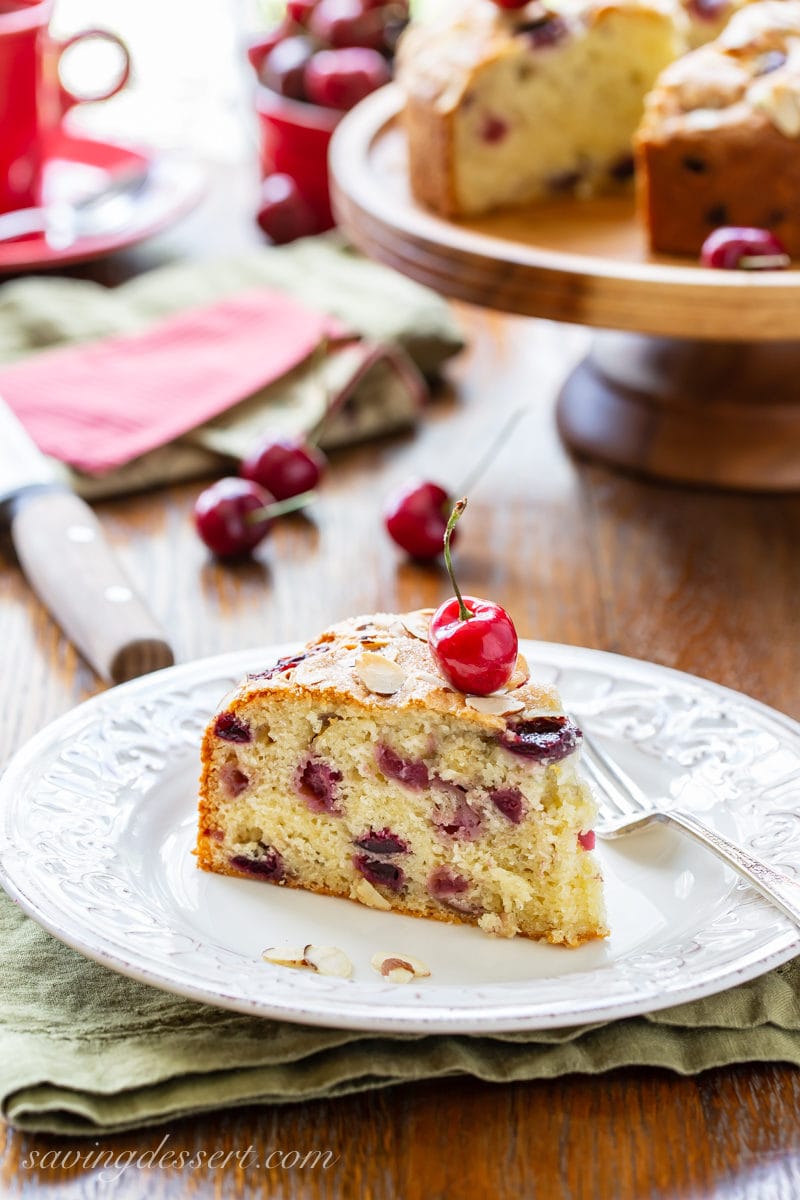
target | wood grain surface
x=707, y=582
x=701, y=581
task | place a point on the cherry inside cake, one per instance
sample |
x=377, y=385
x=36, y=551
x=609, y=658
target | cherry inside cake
x=353, y=769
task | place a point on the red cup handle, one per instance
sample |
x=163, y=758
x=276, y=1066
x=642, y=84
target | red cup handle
x=67, y=97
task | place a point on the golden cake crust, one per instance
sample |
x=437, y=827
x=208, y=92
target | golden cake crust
x=720, y=140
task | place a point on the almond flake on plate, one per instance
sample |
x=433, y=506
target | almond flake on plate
x=494, y=706
x=379, y=674
x=399, y=968
x=324, y=960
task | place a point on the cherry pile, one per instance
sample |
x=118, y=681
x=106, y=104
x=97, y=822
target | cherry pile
x=334, y=52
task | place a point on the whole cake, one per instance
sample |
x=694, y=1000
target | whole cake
x=354, y=769
x=720, y=141
x=505, y=106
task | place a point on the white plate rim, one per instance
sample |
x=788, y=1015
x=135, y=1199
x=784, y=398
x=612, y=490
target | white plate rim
x=324, y=1010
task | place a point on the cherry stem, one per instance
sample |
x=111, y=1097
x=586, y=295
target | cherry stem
x=763, y=262
x=279, y=508
x=463, y=612
x=486, y=459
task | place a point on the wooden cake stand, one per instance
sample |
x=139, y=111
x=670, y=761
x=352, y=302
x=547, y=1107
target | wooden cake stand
x=700, y=380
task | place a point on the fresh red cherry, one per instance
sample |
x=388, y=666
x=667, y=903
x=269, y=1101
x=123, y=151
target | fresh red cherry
x=473, y=642
x=283, y=69
x=284, y=466
x=510, y=3
x=233, y=515
x=283, y=214
x=340, y=78
x=341, y=23
x=300, y=11
x=738, y=248
x=415, y=517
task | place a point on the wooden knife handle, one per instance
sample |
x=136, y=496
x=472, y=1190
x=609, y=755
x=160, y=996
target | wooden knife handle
x=68, y=563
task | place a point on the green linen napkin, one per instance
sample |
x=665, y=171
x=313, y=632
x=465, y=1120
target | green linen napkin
x=85, y=1051
x=412, y=323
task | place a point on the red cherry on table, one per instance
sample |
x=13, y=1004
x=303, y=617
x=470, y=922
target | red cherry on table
x=233, y=515
x=737, y=247
x=283, y=214
x=473, y=642
x=340, y=78
x=284, y=466
x=416, y=516
x=341, y=23
x=224, y=516
x=283, y=69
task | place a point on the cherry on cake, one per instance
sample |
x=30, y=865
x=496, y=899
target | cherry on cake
x=720, y=141
x=355, y=769
x=510, y=105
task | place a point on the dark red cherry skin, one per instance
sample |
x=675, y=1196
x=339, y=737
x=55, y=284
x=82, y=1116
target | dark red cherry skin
x=341, y=23
x=476, y=655
x=283, y=69
x=284, y=466
x=416, y=516
x=510, y=3
x=736, y=247
x=300, y=10
x=221, y=512
x=283, y=214
x=340, y=78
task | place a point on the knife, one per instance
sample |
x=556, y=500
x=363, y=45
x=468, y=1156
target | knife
x=68, y=563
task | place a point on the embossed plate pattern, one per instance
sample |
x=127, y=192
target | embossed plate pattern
x=97, y=824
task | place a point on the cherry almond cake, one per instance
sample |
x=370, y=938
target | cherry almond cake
x=507, y=104
x=358, y=769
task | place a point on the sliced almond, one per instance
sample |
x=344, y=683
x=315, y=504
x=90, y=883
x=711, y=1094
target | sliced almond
x=285, y=956
x=520, y=675
x=417, y=623
x=494, y=706
x=379, y=674
x=437, y=680
x=367, y=894
x=329, y=960
x=399, y=968
x=324, y=960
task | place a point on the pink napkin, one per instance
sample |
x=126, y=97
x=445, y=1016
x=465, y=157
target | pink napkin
x=99, y=405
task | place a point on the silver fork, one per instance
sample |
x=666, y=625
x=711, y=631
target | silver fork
x=625, y=808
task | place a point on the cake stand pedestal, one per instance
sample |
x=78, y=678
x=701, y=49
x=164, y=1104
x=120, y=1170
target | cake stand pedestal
x=700, y=381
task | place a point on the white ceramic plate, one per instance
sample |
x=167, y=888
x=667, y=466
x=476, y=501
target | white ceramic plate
x=97, y=819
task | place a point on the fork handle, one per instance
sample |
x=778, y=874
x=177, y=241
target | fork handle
x=779, y=888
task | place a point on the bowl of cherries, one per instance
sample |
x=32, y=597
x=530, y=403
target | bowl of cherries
x=323, y=58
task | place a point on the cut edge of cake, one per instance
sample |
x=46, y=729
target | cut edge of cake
x=353, y=770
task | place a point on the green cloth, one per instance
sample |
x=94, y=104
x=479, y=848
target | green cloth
x=385, y=308
x=86, y=1051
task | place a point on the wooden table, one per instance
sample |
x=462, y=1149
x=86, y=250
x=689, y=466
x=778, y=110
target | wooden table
x=706, y=582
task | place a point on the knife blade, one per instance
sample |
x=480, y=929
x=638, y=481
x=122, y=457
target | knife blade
x=64, y=555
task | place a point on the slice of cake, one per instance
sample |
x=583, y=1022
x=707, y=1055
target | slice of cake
x=720, y=139
x=353, y=769
x=509, y=106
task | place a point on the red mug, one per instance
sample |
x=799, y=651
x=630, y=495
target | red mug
x=33, y=97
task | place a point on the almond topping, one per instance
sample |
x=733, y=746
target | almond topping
x=379, y=674
x=417, y=623
x=494, y=706
x=437, y=680
x=399, y=968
